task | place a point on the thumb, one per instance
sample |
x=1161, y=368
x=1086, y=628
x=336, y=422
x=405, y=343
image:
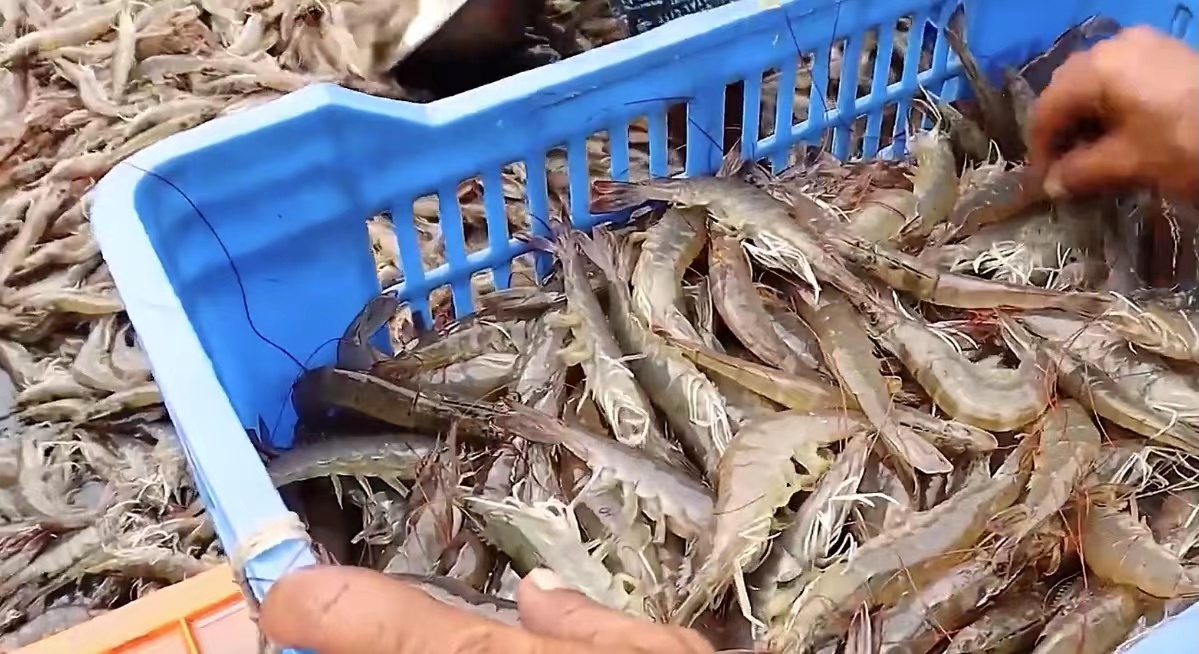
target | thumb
x=548, y=607
x=1110, y=161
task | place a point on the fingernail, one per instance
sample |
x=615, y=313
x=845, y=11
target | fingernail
x=546, y=579
x=1054, y=187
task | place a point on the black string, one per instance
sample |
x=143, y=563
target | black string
x=260, y=440
x=245, y=302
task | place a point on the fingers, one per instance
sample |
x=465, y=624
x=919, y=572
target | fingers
x=348, y=610
x=1074, y=94
x=1111, y=162
x=547, y=608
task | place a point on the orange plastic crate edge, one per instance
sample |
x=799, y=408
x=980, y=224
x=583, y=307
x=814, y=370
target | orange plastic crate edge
x=171, y=609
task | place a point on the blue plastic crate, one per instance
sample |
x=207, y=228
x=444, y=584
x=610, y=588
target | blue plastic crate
x=287, y=187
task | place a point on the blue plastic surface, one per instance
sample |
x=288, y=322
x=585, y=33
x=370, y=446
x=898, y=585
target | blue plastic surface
x=287, y=187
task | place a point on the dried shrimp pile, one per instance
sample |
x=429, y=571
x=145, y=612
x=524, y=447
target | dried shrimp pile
x=98, y=507
x=860, y=407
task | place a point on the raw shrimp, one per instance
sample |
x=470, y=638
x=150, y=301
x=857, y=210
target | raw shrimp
x=459, y=341
x=1099, y=392
x=907, y=273
x=1049, y=247
x=375, y=398
x=541, y=382
x=979, y=394
x=909, y=552
x=946, y=435
x=1003, y=196
x=473, y=379
x=741, y=308
x=882, y=214
x=609, y=380
x=924, y=617
x=935, y=183
x=1094, y=622
x=547, y=535
x=813, y=536
x=389, y=456
x=60, y=556
x=694, y=408
x=670, y=245
x=793, y=331
x=609, y=512
x=967, y=136
x=354, y=350
x=997, y=115
x=1068, y=443
x=756, y=478
x=849, y=353
x=875, y=517
x=541, y=386
x=1023, y=97
x=800, y=392
x=1120, y=549
x=53, y=621
x=1172, y=333
x=699, y=299
x=773, y=236
x=1176, y=524
x=1010, y=626
x=667, y=494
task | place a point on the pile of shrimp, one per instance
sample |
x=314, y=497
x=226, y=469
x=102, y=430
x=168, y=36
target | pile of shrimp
x=91, y=520
x=84, y=84
x=848, y=407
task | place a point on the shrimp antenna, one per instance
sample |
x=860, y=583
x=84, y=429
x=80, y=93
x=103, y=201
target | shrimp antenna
x=930, y=101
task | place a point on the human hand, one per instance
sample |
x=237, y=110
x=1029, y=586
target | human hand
x=348, y=610
x=1125, y=112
